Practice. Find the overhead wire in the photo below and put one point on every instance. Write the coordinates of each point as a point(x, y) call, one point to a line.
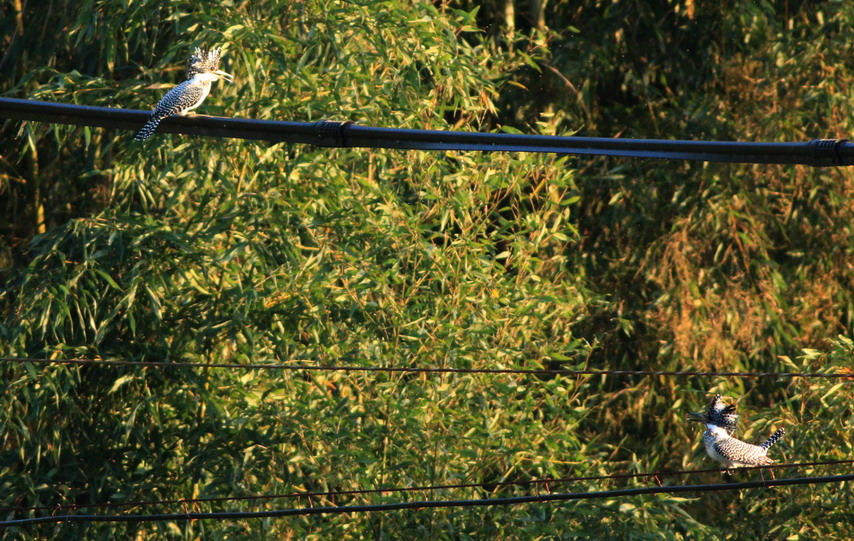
point(346, 134)
point(427, 488)
point(333, 494)
point(428, 504)
point(431, 370)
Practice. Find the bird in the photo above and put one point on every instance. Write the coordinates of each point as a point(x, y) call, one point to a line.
point(721, 444)
point(202, 70)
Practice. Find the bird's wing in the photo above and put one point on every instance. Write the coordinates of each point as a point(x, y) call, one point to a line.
point(179, 98)
point(739, 451)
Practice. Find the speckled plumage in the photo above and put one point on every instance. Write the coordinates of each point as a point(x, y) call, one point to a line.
point(721, 423)
point(202, 70)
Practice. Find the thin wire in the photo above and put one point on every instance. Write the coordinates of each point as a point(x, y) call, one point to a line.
point(433, 370)
point(433, 504)
point(332, 495)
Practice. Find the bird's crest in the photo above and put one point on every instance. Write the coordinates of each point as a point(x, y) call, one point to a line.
point(723, 415)
point(203, 60)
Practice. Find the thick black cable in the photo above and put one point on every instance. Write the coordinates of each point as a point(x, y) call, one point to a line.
point(427, 488)
point(427, 504)
point(431, 370)
point(817, 153)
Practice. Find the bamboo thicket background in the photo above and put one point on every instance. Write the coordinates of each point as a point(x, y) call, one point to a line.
point(205, 250)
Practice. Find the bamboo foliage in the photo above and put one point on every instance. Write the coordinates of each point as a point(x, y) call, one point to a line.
point(205, 250)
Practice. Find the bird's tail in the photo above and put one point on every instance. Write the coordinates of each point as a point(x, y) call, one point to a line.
point(146, 131)
point(775, 437)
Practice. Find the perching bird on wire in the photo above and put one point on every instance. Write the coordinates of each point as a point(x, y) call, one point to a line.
point(202, 70)
point(721, 444)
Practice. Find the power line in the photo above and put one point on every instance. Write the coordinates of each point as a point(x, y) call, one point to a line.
point(427, 504)
point(431, 370)
point(817, 153)
point(428, 488)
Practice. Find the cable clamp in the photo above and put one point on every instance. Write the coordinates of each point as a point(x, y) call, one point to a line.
point(826, 151)
point(331, 133)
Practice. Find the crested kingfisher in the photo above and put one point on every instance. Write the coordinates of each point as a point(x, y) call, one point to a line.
point(721, 444)
point(202, 70)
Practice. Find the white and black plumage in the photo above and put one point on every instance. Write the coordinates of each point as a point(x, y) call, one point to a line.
point(202, 70)
point(722, 415)
point(721, 422)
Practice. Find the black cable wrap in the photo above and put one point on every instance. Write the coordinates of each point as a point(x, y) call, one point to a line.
point(331, 133)
point(326, 133)
point(826, 152)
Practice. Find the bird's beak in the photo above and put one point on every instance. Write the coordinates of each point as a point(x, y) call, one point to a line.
point(224, 75)
point(698, 416)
